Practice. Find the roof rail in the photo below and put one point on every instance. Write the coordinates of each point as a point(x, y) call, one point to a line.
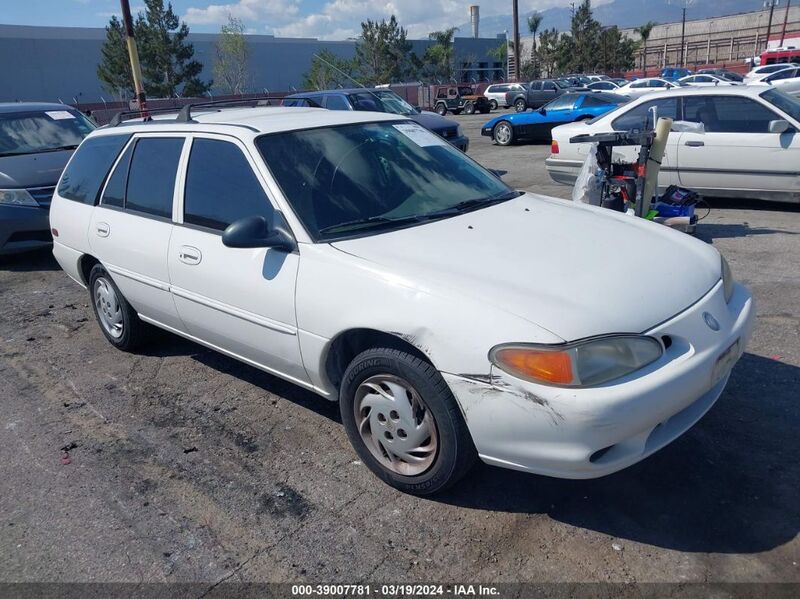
point(185, 111)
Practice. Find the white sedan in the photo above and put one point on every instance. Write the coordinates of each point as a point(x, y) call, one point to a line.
point(787, 80)
point(639, 87)
point(759, 73)
point(362, 257)
point(706, 81)
point(749, 148)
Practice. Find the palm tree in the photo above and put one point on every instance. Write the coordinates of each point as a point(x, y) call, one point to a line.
point(440, 53)
point(644, 32)
point(534, 22)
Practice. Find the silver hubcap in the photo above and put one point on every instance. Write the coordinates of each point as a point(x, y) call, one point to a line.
point(503, 134)
point(396, 425)
point(108, 309)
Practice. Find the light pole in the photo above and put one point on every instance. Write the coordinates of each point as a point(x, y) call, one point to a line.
point(771, 5)
point(516, 40)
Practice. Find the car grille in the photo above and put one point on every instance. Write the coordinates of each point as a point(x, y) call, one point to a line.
point(42, 195)
point(449, 133)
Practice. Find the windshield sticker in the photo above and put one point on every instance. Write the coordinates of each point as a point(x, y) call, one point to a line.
point(420, 135)
point(59, 115)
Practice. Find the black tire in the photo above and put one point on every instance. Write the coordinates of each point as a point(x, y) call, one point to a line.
point(503, 133)
point(134, 332)
point(441, 109)
point(520, 105)
point(455, 452)
point(493, 104)
point(469, 108)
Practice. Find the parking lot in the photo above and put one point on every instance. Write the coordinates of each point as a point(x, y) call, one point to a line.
point(185, 465)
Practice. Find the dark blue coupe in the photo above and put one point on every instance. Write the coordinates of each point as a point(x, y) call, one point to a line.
point(536, 126)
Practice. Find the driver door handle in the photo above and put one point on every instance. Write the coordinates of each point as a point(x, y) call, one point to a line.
point(695, 144)
point(189, 255)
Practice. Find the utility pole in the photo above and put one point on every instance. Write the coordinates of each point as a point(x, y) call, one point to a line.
point(683, 34)
point(771, 5)
point(133, 54)
point(517, 53)
point(785, 21)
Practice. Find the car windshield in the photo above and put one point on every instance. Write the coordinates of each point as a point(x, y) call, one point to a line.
point(39, 131)
point(563, 84)
point(365, 178)
point(788, 104)
point(381, 101)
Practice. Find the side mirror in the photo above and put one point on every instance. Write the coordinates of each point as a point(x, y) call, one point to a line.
point(255, 232)
point(779, 126)
point(543, 110)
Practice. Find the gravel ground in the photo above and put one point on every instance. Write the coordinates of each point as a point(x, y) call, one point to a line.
point(189, 466)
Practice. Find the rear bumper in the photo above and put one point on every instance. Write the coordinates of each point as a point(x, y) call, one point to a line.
point(563, 171)
point(23, 228)
point(592, 432)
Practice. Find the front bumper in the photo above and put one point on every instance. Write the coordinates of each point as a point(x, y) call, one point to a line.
point(587, 433)
point(23, 228)
point(461, 142)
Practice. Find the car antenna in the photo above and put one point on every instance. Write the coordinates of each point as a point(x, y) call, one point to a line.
point(340, 71)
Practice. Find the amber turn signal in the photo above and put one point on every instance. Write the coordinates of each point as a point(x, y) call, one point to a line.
point(546, 366)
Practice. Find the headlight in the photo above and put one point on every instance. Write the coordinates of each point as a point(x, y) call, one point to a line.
point(581, 364)
point(16, 197)
point(459, 132)
point(727, 279)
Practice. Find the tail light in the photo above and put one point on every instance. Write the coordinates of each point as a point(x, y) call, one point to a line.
point(554, 147)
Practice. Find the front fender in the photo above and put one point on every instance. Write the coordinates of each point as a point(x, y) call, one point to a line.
point(337, 292)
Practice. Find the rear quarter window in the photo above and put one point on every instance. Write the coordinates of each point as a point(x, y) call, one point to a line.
point(85, 173)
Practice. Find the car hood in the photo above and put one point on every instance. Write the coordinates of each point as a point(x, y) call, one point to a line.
point(32, 170)
point(574, 270)
point(433, 121)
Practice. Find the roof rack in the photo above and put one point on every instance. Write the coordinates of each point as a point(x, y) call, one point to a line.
point(185, 112)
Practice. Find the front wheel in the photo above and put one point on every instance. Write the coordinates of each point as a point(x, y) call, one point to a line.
point(520, 105)
point(441, 109)
point(503, 133)
point(493, 104)
point(404, 422)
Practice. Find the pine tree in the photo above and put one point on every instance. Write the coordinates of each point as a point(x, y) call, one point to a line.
point(114, 70)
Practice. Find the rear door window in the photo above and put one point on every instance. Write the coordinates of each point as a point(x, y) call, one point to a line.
point(114, 194)
point(221, 186)
point(85, 173)
point(640, 117)
point(336, 103)
point(151, 178)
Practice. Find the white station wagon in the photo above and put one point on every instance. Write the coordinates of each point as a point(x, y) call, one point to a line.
point(362, 257)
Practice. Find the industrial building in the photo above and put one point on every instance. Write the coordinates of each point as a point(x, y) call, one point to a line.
point(60, 63)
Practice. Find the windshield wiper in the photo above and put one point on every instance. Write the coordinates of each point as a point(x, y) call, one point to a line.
point(42, 151)
point(372, 220)
point(468, 205)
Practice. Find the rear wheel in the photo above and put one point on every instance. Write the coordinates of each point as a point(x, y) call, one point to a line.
point(493, 104)
point(441, 109)
point(469, 108)
point(117, 319)
point(503, 133)
point(520, 105)
point(404, 422)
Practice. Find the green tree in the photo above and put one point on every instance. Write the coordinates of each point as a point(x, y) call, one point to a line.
point(383, 54)
point(328, 71)
point(534, 23)
point(439, 58)
point(616, 53)
point(168, 63)
point(644, 32)
point(585, 39)
point(232, 55)
point(548, 51)
point(114, 70)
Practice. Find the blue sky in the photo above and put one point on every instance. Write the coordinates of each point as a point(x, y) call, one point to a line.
point(326, 19)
